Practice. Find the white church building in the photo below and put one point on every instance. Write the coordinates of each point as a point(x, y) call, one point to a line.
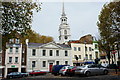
point(42, 56)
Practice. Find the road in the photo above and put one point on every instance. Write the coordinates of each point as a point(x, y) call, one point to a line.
point(52, 77)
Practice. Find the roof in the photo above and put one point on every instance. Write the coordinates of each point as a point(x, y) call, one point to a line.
point(42, 44)
point(13, 45)
point(35, 44)
point(64, 45)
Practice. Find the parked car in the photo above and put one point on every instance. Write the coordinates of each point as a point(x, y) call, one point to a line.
point(63, 70)
point(112, 66)
point(37, 72)
point(71, 70)
point(16, 75)
point(56, 68)
point(25, 74)
point(91, 70)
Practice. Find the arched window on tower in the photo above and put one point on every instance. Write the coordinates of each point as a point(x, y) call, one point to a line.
point(65, 31)
point(59, 38)
point(66, 37)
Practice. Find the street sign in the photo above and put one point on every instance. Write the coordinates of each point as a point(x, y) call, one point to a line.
point(13, 66)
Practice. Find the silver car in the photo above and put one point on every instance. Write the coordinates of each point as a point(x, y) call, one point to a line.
point(63, 70)
point(91, 69)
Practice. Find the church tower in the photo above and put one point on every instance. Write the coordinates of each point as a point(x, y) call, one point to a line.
point(64, 29)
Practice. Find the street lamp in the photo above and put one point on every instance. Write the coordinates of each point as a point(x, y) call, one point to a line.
point(77, 60)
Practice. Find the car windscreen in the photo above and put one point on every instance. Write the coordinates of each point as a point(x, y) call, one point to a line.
point(70, 67)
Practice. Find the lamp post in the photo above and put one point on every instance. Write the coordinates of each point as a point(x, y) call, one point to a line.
point(77, 60)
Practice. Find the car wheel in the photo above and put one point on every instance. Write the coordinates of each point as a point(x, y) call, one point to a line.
point(62, 75)
point(105, 72)
point(23, 76)
point(10, 77)
point(87, 73)
point(71, 75)
point(34, 75)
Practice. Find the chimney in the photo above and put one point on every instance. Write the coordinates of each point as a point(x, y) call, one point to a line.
point(27, 40)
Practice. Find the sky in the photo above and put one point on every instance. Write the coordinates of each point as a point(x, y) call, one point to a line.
point(82, 18)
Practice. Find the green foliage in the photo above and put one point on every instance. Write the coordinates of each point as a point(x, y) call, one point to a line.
point(36, 38)
point(17, 16)
point(109, 27)
point(109, 24)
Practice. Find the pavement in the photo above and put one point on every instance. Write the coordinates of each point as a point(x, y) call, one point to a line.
point(113, 72)
point(111, 76)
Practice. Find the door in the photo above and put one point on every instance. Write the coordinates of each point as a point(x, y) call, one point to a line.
point(12, 70)
point(93, 69)
point(50, 67)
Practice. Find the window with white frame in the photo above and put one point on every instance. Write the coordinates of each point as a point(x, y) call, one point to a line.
point(17, 49)
point(90, 56)
point(10, 59)
point(96, 54)
point(75, 56)
point(86, 56)
point(57, 62)
point(85, 48)
point(79, 49)
point(90, 49)
point(16, 59)
point(65, 31)
point(17, 41)
point(75, 49)
point(33, 52)
point(66, 62)
point(44, 63)
point(33, 64)
point(96, 46)
point(66, 53)
point(44, 52)
point(11, 40)
point(51, 54)
point(11, 50)
point(79, 56)
point(57, 52)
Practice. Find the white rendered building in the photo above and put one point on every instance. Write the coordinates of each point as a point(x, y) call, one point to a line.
point(84, 52)
point(43, 56)
point(13, 56)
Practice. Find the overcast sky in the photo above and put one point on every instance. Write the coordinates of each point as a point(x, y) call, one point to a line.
point(82, 18)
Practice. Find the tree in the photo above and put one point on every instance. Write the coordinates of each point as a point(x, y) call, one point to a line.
point(17, 16)
point(109, 26)
point(35, 37)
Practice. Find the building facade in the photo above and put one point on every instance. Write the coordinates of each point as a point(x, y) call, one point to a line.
point(44, 56)
point(13, 57)
point(64, 28)
point(85, 53)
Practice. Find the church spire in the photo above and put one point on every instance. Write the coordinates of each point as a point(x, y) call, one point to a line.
point(64, 29)
point(63, 11)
